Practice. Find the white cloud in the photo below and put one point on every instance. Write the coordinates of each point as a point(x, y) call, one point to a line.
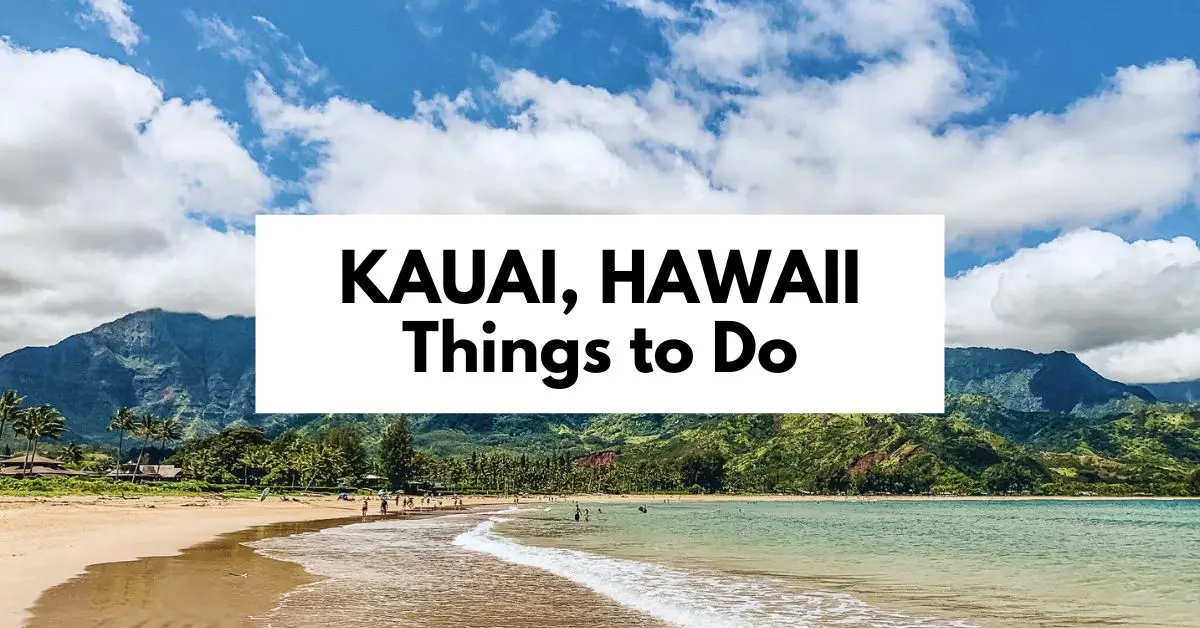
point(98, 176)
point(222, 37)
point(418, 10)
point(115, 16)
point(538, 33)
point(1130, 309)
point(256, 52)
point(1174, 359)
point(653, 9)
point(882, 140)
point(725, 126)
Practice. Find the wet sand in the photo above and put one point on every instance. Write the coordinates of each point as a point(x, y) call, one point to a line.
point(47, 541)
point(412, 573)
point(224, 583)
point(217, 583)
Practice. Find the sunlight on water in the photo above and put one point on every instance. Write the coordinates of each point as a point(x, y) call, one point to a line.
point(1048, 563)
point(870, 563)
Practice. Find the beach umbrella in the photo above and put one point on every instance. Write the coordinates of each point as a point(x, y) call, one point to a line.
point(263, 495)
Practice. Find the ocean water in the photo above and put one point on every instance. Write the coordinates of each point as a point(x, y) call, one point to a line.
point(833, 563)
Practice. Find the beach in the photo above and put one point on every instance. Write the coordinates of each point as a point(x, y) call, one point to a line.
point(47, 541)
point(74, 560)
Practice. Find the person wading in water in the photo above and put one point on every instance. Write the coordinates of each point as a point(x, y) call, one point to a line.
point(577, 513)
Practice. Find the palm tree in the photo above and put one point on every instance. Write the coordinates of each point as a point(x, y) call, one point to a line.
point(70, 453)
point(145, 428)
point(123, 422)
point(35, 424)
point(10, 407)
point(167, 431)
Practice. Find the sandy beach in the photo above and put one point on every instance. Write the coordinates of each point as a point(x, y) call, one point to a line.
point(47, 541)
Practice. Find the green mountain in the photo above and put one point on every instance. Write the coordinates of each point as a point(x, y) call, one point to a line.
point(1013, 420)
point(1177, 392)
point(201, 370)
point(1035, 382)
point(177, 365)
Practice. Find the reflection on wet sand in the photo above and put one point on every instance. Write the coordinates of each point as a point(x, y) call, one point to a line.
point(398, 576)
point(218, 583)
point(412, 574)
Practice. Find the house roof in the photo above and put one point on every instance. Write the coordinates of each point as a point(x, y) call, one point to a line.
point(169, 471)
point(20, 460)
point(165, 471)
point(39, 470)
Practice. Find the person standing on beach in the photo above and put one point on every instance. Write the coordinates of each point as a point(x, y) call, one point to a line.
point(364, 508)
point(383, 506)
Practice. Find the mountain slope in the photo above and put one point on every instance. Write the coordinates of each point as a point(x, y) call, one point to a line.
point(1178, 392)
point(175, 365)
point(1036, 382)
point(201, 370)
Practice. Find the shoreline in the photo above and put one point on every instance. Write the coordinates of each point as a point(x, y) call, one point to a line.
point(50, 541)
point(604, 497)
point(219, 582)
point(56, 540)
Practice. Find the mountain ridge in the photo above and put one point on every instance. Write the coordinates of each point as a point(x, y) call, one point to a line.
point(201, 370)
point(1177, 392)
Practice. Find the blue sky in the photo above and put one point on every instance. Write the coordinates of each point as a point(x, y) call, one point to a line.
point(324, 127)
point(382, 53)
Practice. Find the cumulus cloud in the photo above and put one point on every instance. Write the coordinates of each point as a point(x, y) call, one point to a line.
point(100, 178)
point(1174, 359)
point(1130, 309)
point(882, 140)
point(724, 126)
point(115, 16)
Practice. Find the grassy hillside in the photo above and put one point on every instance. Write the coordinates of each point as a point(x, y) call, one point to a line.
point(1014, 420)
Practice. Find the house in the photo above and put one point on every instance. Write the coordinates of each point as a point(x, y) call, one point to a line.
point(148, 472)
point(35, 466)
point(419, 487)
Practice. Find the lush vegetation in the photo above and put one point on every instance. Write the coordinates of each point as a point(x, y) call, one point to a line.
point(200, 371)
point(977, 447)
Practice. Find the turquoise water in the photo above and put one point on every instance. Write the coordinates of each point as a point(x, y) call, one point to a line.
point(726, 564)
point(986, 563)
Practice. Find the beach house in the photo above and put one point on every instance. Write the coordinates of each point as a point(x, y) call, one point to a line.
point(147, 472)
point(34, 466)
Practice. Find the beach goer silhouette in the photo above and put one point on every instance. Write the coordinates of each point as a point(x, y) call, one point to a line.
point(586, 515)
point(364, 508)
point(642, 508)
point(383, 507)
point(577, 512)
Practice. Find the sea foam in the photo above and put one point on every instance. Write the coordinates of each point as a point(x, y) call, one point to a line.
point(686, 598)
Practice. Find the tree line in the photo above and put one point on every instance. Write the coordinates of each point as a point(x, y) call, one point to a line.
point(38, 424)
point(339, 456)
